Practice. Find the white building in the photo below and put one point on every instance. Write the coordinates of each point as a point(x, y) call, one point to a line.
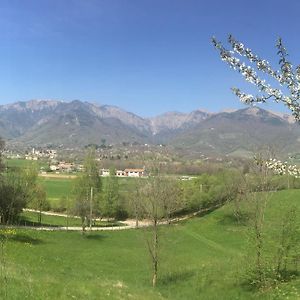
point(134, 172)
point(105, 172)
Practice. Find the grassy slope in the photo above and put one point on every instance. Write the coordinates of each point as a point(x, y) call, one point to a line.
point(200, 259)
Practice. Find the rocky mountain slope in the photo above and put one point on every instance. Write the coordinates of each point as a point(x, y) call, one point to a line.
point(241, 133)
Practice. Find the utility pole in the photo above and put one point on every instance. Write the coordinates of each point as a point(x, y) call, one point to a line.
point(91, 207)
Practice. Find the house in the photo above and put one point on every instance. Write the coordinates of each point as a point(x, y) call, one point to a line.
point(65, 167)
point(54, 168)
point(125, 173)
point(104, 172)
point(134, 172)
point(120, 173)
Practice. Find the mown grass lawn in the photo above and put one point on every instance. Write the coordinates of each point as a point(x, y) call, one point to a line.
point(203, 258)
point(57, 188)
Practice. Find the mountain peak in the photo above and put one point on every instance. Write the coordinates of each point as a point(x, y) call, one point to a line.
point(37, 104)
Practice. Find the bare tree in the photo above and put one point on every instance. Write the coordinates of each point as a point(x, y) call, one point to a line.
point(158, 201)
point(135, 201)
point(110, 196)
point(39, 201)
point(260, 199)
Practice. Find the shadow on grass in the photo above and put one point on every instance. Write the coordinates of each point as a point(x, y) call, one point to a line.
point(24, 222)
point(94, 236)
point(29, 223)
point(231, 219)
point(175, 277)
point(22, 238)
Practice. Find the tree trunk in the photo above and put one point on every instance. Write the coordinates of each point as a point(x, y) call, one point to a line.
point(83, 225)
point(155, 254)
point(40, 216)
point(136, 217)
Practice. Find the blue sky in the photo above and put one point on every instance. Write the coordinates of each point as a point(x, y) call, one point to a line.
point(146, 56)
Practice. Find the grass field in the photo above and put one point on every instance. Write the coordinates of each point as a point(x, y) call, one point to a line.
point(56, 188)
point(203, 258)
point(23, 163)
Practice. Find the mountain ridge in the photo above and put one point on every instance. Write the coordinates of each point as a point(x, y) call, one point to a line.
point(78, 123)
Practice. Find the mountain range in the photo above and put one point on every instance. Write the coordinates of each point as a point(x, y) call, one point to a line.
point(77, 123)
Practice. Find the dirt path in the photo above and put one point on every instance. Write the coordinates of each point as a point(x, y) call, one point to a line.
point(58, 176)
point(129, 223)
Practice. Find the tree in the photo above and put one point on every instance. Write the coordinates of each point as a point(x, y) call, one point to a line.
point(259, 199)
point(171, 197)
point(87, 189)
point(135, 201)
point(158, 202)
point(39, 201)
point(111, 195)
point(16, 191)
point(18, 188)
point(287, 76)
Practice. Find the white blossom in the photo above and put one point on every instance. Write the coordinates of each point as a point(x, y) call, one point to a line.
point(282, 168)
point(286, 75)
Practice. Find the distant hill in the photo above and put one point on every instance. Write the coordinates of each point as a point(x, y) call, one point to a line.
point(241, 132)
point(77, 123)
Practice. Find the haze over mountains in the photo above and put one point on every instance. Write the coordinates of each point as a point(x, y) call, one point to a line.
point(76, 124)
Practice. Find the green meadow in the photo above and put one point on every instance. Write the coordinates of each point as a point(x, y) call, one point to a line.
point(202, 258)
point(24, 163)
point(57, 188)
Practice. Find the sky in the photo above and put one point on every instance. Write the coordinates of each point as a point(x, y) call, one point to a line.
point(145, 56)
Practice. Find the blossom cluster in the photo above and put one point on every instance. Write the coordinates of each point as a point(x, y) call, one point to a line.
point(282, 168)
point(285, 76)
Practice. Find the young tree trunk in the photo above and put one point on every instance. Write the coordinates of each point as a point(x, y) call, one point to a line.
point(40, 216)
point(136, 217)
point(259, 240)
point(83, 225)
point(155, 253)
